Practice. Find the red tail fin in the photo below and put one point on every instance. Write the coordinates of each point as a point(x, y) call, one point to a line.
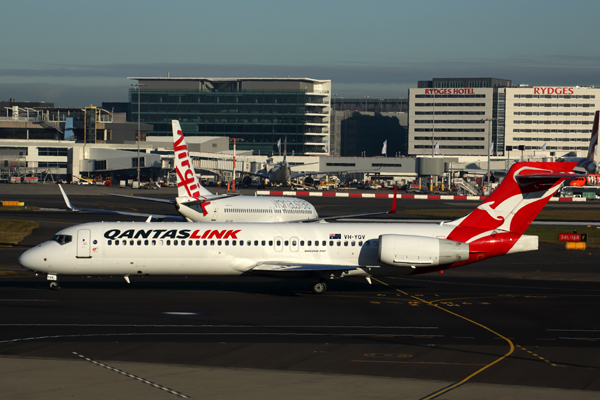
point(516, 202)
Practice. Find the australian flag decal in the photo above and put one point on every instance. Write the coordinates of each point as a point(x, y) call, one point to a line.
point(335, 236)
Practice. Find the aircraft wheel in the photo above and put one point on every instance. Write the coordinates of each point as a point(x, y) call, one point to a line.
point(319, 287)
point(54, 286)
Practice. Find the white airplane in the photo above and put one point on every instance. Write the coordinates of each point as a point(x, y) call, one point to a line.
point(317, 250)
point(196, 204)
point(281, 172)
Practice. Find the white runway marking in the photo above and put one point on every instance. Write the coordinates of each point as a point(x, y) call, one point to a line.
point(156, 385)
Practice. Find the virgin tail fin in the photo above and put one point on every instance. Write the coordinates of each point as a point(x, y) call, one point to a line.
point(187, 181)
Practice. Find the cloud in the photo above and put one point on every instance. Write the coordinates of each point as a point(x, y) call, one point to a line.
point(70, 84)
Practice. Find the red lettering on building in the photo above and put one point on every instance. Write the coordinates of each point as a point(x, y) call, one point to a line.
point(553, 90)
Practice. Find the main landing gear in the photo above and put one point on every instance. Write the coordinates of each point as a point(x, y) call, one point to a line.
point(53, 282)
point(319, 287)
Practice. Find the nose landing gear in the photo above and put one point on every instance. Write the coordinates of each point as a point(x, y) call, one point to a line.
point(53, 282)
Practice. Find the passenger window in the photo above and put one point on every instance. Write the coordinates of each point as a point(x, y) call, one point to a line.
point(227, 243)
point(174, 242)
point(270, 243)
point(331, 242)
point(241, 242)
point(294, 243)
point(131, 242)
point(249, 243)
point(263, 242)
point(279, 243)
point(190, 242)
point(116, 242)
point(168, 242)
point(233, 242)
point(109, 242)
point(197, 243)
point(360, 243)
point(286, 243)
point(345, 243)
point(302, 243)
point(212, 242)
point(219, 242)
point(205, 243)
point(124, 242)
point(339, 243)
point(323, 243)
point(161, 242)
point(256, 242)
point(154, 243)
point(145, 242)
point(309, 243)
point(353, 243)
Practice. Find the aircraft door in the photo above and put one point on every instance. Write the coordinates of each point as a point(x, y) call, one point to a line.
point(278, 243)
point(294, 243)
point(214, 211)
point(84, 247)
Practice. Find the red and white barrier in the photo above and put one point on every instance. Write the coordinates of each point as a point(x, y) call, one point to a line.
point(389, 195)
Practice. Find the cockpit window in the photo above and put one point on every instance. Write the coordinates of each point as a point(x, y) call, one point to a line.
point(62, 239)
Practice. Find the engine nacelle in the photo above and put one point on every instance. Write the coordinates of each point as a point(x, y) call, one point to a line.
point(420, 251)
point(247, 181)
point(308, 180)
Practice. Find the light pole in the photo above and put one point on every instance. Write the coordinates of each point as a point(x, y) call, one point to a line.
point(489, 120)
point(433, 126)
point(234, 140)
point(138, 85)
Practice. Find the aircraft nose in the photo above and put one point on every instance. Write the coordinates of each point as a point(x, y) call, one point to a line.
point(32, 259)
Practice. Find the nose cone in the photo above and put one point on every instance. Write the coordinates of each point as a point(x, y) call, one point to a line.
point(32, 259)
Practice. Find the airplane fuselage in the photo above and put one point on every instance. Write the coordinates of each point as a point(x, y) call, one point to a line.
point(141, 248)
point(246, 209)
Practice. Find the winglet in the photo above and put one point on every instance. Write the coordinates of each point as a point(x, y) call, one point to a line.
point(393, 210)
point(67, 202)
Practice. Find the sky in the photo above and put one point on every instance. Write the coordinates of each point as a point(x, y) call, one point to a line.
point(79, 53)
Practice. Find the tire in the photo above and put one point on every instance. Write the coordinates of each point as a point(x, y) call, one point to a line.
point(319, 287)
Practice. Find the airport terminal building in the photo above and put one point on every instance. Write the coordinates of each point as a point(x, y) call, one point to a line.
point(259, 111)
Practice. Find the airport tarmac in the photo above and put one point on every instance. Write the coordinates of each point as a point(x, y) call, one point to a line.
point(519, 326)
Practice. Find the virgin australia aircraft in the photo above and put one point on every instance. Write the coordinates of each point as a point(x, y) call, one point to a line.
point(196, 204)
point(317, 250)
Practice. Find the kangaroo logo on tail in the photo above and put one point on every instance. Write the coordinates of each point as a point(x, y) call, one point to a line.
point(515, 203)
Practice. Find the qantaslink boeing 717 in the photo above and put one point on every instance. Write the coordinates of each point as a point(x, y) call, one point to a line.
point(320, 251)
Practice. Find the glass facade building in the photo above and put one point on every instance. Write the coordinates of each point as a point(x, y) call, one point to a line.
point(260, 111)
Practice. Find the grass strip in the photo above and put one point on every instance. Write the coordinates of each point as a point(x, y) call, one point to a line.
point(13, 231)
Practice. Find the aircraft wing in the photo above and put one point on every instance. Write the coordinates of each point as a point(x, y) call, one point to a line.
point(345, 171)
point(271, 266)
point(323, 219)
point(156, 216)
point(139, 198)
point(261, 174)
